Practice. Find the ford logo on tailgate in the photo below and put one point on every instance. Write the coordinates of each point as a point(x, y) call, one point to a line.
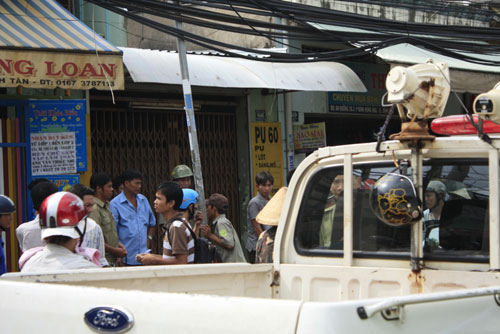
point(109, 319)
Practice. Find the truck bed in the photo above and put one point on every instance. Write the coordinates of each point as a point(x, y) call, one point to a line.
point(239, 279)
point(51, 308)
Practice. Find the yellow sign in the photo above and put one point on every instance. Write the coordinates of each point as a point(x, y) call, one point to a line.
point(37, 69)
point(267, 151)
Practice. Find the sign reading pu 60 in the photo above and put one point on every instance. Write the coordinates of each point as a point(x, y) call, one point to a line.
point(267, 151)
point(269, 134)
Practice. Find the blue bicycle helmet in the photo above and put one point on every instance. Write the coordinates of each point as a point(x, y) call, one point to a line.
point(189, 196)
point(6, 205)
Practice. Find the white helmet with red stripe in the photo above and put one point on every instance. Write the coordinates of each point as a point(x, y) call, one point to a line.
point(62, 213)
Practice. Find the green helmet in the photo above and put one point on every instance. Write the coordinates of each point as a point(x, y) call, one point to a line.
point(181, 171)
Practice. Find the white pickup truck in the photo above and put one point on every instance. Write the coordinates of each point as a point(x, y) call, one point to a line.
point(368, 279)
point(360, 276)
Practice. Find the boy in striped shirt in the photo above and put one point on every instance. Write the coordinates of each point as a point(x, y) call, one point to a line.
point(178, 244)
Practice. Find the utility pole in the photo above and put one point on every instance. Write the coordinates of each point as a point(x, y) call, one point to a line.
point(191, 124)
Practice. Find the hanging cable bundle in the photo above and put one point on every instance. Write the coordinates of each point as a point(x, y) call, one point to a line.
point(314, 24)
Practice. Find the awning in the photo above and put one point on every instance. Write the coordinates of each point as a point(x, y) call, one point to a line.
point(42, 45)
point(162, 67)
point(464, 76)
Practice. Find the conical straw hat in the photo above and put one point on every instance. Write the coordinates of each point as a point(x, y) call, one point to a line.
point(270, 214)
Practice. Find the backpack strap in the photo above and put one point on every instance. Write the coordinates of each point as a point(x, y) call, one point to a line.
point(181, 218)
point(189, 228)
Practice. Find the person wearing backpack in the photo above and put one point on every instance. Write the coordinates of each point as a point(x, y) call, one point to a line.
point(221, 232)
point(179, 242)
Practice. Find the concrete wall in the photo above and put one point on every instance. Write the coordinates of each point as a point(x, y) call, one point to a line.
point(310, 102)
point(268, 103)
point(140, 36)
point(108, 24)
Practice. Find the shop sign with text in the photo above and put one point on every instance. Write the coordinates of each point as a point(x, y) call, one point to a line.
point(37, 69)
point(53, 153)
point(267, 151)
point(373, 77)
point(58, 137)
point(309, 137)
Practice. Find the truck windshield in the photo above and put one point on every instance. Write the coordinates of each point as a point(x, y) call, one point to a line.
point(455, 218)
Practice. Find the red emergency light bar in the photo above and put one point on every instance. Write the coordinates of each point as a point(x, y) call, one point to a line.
point(460, 125)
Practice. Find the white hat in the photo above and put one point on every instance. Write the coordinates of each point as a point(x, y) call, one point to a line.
point(270, 214)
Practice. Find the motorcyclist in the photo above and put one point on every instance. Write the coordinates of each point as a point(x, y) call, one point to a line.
point(63, 220)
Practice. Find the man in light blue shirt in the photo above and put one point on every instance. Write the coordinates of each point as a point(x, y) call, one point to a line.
point(133, 216)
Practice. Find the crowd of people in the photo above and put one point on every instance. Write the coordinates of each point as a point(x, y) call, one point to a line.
point(110, 223)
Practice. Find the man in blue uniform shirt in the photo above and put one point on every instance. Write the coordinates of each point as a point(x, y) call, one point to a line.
point(133, 216)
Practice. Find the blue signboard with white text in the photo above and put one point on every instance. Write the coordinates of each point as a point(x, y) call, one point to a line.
point(57, 137)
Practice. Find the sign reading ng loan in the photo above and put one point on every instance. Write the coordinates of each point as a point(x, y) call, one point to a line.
point(267, 151)
point(37, 69)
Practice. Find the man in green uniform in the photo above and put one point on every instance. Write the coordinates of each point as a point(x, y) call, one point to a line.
point(102, 184)
point(221, 232)
point(182, 174)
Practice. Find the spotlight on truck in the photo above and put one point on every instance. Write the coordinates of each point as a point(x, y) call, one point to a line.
point(419, 92)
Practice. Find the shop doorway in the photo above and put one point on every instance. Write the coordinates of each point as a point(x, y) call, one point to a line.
point(155, 141)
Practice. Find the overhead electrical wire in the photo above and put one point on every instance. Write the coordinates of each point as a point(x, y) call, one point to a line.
point(140, 5)
point(183, 12)
point(315, 24)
